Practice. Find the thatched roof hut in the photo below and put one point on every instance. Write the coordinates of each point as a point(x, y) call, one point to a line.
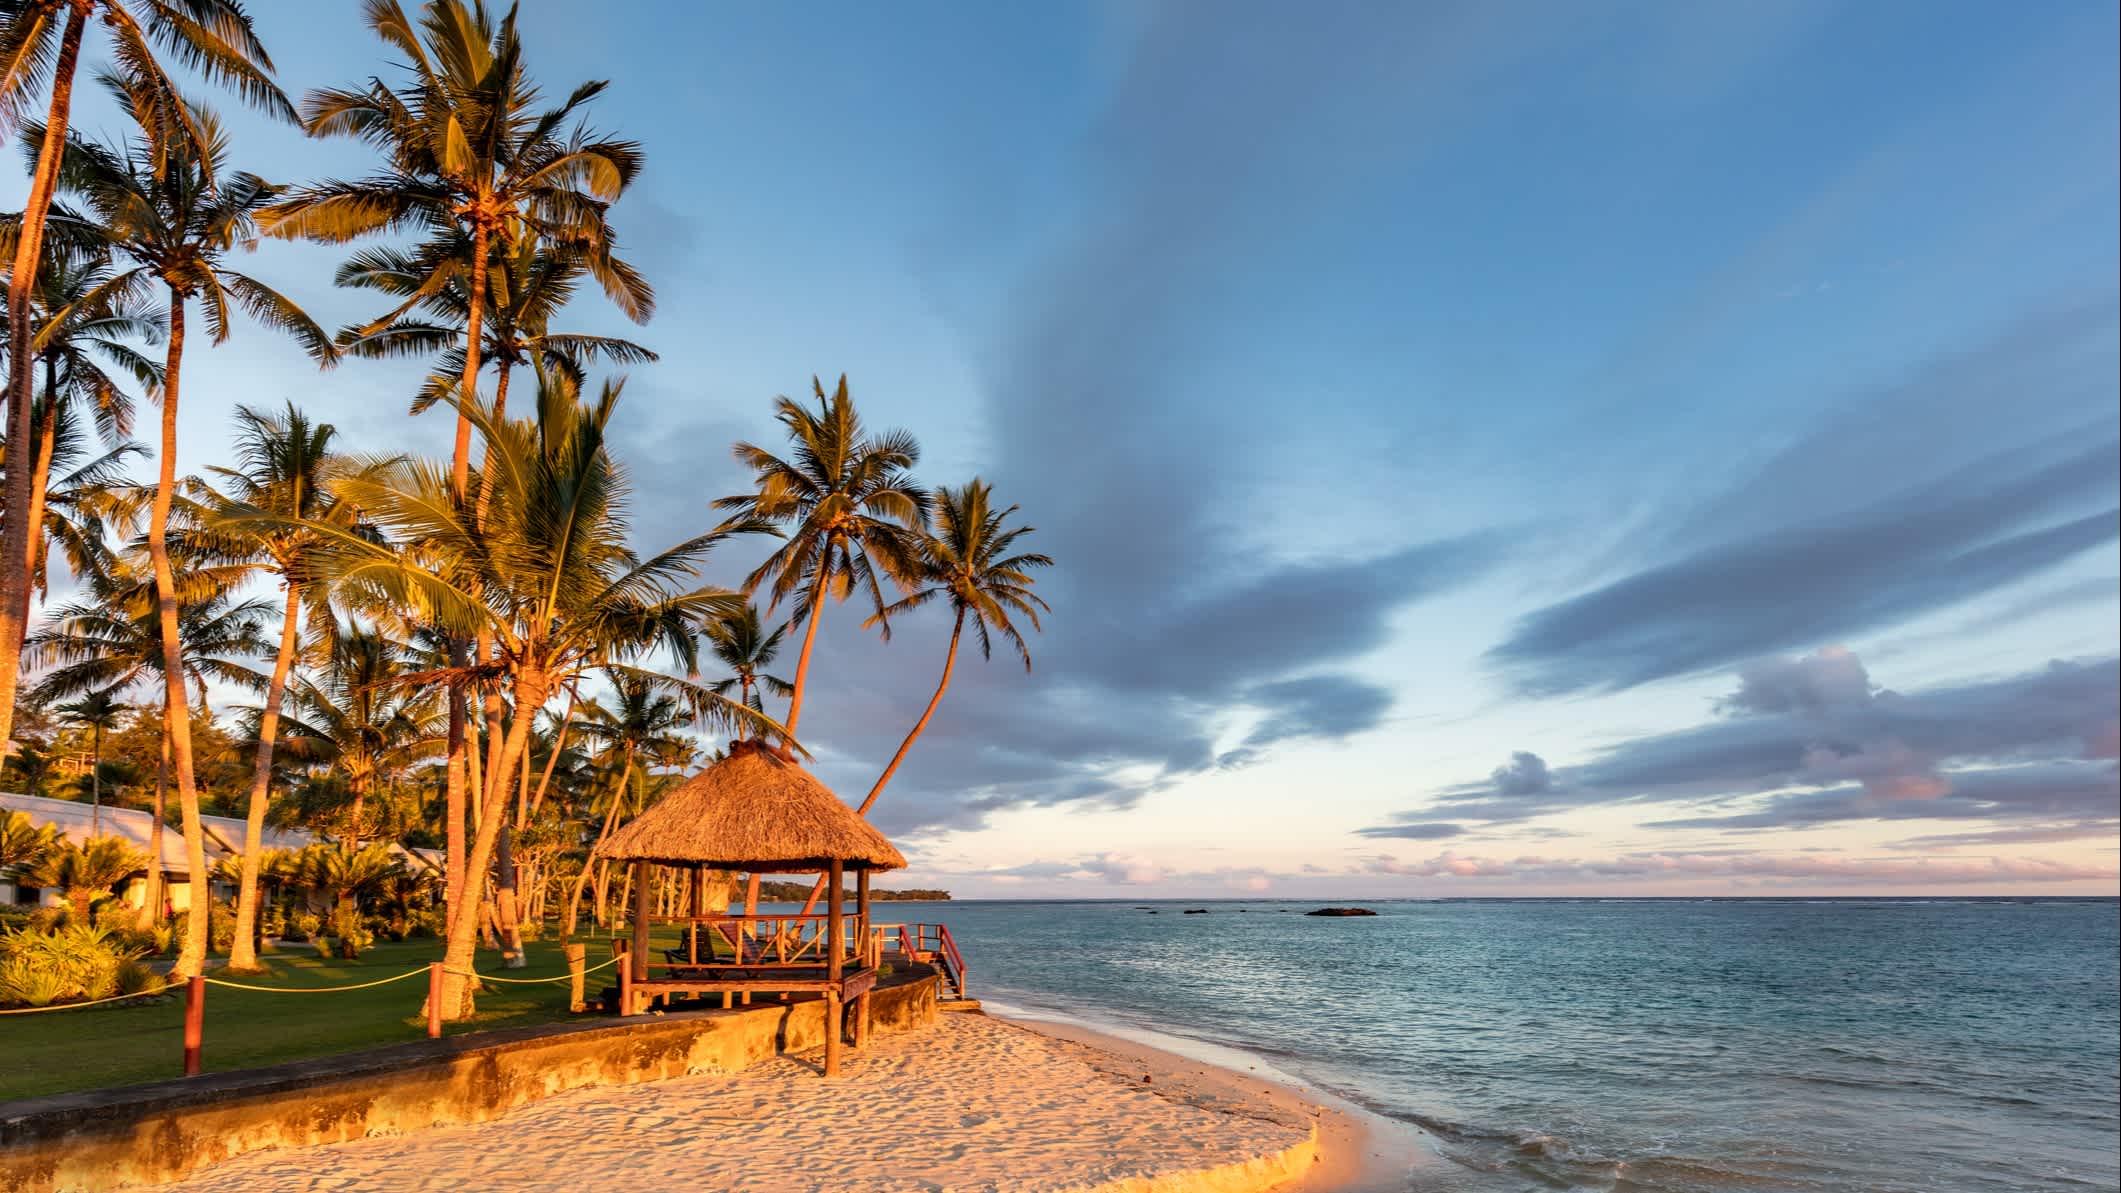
point(753, 811)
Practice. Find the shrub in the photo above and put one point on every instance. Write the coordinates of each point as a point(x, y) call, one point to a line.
point(75, 963)
point(304, 925)
point(350, 937)
point(220, 926)
point(134, 976)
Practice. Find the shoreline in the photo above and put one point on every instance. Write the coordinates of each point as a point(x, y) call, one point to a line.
point(1359, 1150)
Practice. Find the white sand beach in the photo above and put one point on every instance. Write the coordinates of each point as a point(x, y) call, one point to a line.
point(969, 1104)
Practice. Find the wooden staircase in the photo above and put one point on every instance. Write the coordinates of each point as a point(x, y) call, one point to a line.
point(930, 944)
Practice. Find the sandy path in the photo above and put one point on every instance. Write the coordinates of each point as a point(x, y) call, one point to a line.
point(967, 1105)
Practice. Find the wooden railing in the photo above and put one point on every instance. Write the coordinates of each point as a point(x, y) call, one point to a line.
point(924, 942)
point(766, 941)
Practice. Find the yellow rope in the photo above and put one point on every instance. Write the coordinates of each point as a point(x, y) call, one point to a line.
point(481, 977)
point(317, 989)
point(75, 1006)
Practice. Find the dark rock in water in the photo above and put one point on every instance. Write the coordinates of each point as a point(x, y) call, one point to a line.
point(1153, 912)
point(1341, 911)
point(1196, 911)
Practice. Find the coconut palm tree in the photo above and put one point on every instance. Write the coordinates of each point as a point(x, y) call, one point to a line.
point(363, 717)
point(970, 559)
point(40, 45)
point(83, 501)
point(88, 871)
point(467, 155)
point(97, 711)
point(286, 465)
point(112, 639)
point(527, 285)
point(643, 717)
point(79, 334)
point(545, 572)
point(168, 202)
point(846, 506)
point(740, 643)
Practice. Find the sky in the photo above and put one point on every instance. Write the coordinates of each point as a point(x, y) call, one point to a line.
point(1487, 449)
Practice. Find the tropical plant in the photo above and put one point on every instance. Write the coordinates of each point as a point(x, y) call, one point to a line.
point(72, 962)
point(643, 717)
point(739, 642)
point(365, 715)
point(40, 44)
point(23, 842)
point(286, 464)
point(970, 559)
point(545, 572)
point(97, 712)
point(167, 201)
point(847, 508)
point(88, 871)
point(80, 331)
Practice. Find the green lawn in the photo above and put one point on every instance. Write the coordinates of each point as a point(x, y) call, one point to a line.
point(128, 1043)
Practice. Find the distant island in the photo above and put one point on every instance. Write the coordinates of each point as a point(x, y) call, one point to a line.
point(798, 892)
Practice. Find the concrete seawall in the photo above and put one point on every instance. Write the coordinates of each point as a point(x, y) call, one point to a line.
point(145, 1134)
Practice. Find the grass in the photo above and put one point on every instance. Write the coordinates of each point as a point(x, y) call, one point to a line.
point(125, 1044)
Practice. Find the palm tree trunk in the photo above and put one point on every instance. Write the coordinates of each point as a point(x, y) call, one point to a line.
point(95, 784)
point(802, 663)
point(191, 960)
point(15, 532)
point(559, 742)
point(355, 814)
point(457, 879)
point(949, 662)
point(611, 816)
point(243, 955)
point(531, 689)
point(151, 908)
point(40, 483)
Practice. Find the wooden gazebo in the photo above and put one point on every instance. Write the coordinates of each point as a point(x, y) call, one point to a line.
point(757, 812)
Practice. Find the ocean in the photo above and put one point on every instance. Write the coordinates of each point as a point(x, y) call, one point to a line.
point(1674, 1045)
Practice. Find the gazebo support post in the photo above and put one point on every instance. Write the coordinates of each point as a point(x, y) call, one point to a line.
point(862, 959)
point(637, 958)
point(699, 909)
point(834, 921)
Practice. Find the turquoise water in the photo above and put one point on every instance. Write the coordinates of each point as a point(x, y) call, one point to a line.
point(1882, 1045)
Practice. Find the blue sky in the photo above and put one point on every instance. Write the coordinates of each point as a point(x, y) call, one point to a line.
point(1490, 448)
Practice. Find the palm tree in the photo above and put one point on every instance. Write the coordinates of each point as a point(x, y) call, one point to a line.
point(286, 464)
point(87, 872)
point(740, 643)
point(169, 203)
point(968, 560)
point(112, 640)
point(644, 717)
point(40, 42)
point(363, 716)
point(82, 500)
point(467, 156)
point(526, 287)
point(846, 502)
point(79, 336)
point(97, 711)
point(546, 572)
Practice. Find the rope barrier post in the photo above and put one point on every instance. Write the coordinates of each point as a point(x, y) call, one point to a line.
point(194, 1022)
point(626, 987)
point(434, 1001)
point(577, 957)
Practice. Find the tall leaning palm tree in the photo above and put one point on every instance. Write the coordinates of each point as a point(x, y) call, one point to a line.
point(533, 554)
point(970, 560)
point(286, 464)
point(847, 506)
point(40, 46)
point(172, 207)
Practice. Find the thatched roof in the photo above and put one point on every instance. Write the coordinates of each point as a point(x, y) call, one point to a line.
point(753, 811)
